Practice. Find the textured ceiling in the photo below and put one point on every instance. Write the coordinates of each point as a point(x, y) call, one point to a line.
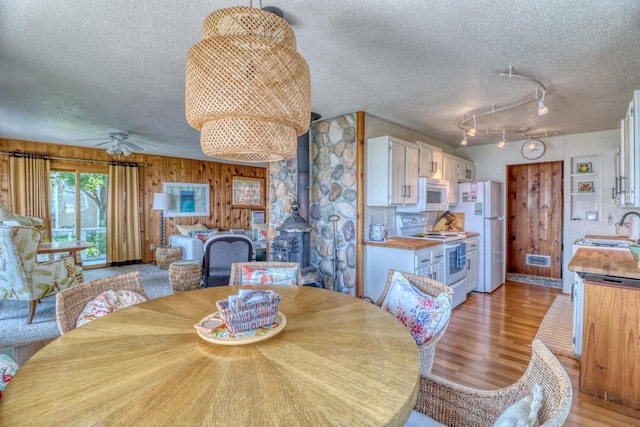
point(72, 69)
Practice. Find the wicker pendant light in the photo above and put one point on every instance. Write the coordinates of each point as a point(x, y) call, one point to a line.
point(247, 89)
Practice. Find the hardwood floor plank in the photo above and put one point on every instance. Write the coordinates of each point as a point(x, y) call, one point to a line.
point(487, 345)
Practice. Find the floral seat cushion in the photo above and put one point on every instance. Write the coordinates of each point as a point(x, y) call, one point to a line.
point(422, 314)
point(269, 275)
point(108, 302)
point(8, 369)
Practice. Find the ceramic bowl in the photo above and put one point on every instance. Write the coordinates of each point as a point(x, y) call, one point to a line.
point(635, 250)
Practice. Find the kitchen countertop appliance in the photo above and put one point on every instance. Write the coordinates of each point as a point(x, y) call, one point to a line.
point(454, 251)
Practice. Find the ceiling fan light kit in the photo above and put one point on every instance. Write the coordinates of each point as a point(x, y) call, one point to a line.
point(247, 89)
point(538, 95)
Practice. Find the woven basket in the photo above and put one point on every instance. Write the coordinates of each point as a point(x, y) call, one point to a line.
point(250, 315)
point(165, 256)
point(185, 275)
point(247, 89)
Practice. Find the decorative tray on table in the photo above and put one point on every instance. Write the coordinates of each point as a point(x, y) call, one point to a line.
point(219, 333)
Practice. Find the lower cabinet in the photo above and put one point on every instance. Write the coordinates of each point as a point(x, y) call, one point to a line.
point(609, 367)
point(473, 268)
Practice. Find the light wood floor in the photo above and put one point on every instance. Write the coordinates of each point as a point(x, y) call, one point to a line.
point(487, 346)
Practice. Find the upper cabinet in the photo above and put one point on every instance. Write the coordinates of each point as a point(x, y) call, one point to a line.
point(627, 186)
point(457, 170)
point(391, 172)
point(431, 161)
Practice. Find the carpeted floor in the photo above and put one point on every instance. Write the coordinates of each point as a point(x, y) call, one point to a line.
point(556, 329)
point(14, 330)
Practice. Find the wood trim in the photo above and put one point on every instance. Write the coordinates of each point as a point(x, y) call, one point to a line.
point(360, 205)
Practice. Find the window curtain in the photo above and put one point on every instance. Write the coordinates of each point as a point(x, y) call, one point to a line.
point(123, 220)
point(29, 180)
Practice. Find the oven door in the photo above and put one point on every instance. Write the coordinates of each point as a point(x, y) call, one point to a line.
point(455, 264)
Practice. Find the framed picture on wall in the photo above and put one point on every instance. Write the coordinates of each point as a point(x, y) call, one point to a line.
point(585, 187)
point(584, 168)
point(187, 199)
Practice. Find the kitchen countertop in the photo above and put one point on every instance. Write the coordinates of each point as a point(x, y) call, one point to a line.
point(605, 262)
point(411, 244)
point(405, 243)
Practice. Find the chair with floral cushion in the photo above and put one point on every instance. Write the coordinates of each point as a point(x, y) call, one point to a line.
point(22, 277)
point(71, 302)
point(541, 396)
point(423, 305)
point(281, 272)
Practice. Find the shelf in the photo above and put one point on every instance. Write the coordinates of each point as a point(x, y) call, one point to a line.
point(586, 203)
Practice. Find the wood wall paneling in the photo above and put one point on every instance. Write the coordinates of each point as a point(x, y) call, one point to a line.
point(159, 169)
point(534, 211)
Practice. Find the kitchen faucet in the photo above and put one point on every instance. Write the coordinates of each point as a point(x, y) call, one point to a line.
point(625, 217)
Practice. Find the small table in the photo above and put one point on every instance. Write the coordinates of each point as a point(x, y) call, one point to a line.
point(338, 361)
point(185, 275)
point(165, 255)
point(72, 247)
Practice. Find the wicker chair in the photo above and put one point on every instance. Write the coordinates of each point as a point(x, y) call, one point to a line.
point(432, 288)
point(236, 269)
point(456, 405)
point(71, 301)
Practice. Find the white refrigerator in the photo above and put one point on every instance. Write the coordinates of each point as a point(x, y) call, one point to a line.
point(481, 203)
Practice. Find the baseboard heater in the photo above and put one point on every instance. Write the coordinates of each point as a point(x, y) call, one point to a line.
point(538, 260)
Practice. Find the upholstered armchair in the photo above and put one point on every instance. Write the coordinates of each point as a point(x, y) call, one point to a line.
point(22, 277)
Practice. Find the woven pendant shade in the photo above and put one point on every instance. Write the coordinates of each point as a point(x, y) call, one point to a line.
point(247, 89)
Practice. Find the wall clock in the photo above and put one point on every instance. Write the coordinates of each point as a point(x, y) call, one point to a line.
point(533, 149)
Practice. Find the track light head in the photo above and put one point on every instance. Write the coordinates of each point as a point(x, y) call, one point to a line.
point(542, 109)
point(464, 138)
point(502, 143)
point(473, 130)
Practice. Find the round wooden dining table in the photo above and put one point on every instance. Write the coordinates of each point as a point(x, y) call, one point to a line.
point(338, 361)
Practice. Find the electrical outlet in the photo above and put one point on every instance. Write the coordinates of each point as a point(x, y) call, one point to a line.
point(152, 246)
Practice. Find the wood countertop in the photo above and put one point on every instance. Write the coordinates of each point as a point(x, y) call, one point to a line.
point(618, 263)
point(405, 243)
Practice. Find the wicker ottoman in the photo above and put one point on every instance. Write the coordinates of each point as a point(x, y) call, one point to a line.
point(185, 275)
point(165, 255)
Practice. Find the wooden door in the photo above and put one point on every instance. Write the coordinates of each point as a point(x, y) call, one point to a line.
point(534, 218)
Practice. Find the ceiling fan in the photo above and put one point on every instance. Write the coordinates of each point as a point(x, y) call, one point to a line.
point(120, 143)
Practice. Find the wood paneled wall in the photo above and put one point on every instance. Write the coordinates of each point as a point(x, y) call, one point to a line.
point(159, 169)
point(534, 212)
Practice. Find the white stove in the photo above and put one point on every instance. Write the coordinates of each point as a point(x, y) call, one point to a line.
point(416, 226)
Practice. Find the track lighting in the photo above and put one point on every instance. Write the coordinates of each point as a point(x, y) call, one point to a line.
point(480, 117)
point(464, 138)
point(542, 109)
point(502, 143)
point(472, 131)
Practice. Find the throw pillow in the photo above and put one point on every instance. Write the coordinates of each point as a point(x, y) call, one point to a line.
point(204, 235)
point(269, 275)
point(5, 215)
point(8, 369)
point(422, 314)
point(108, 302)
point(523, 413)
point(25, 221)
point(185, 229)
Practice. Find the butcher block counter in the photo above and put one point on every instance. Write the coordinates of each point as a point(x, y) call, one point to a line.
point(609, 367)
point(405, 243)
point(619, 262)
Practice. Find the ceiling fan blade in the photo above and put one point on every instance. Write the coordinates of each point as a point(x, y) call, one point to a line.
point(102, 143)
point(134, 146)
point(143, 143)
point(91, 139)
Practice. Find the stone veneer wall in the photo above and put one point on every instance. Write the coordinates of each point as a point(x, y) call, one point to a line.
point(332, 181)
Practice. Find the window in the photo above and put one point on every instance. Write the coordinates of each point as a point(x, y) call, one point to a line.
point(248, 192)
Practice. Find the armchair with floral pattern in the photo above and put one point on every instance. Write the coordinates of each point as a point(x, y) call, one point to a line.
point(22, 277)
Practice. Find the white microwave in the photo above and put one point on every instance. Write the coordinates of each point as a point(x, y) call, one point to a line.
point(433, 196)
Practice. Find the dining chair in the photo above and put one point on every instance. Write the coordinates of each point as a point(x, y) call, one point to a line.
point(453, 404)
point(23, 277)
point(237, 273)
point(220, 252)
point(432, 288)
point(71, 302)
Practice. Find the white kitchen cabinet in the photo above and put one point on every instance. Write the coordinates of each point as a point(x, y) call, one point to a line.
point(451, 176)
point(627, 185)
point(473, 268)
point(466, 171)
point(430, 161)
point(391, 172)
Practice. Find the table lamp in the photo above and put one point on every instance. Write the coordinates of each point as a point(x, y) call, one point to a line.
point(161, 202)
